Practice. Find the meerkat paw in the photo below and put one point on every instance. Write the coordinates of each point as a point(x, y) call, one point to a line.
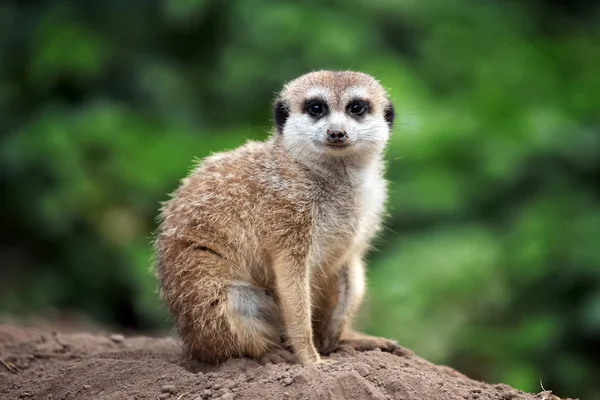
point(361, 342)
point(277, 355)
point(328, 343)
point(327, 347)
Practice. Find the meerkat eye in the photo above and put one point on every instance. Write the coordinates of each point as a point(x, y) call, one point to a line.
point(357, 108)
point(316, 108)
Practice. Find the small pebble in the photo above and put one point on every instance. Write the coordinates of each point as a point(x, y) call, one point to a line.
point(86, 387)
point(226, 396)
point(117, 338)
point(288, 381)
point(163, 396)
point(362, 369)
point(302, 377)
point(48, 348)
point(229, 384)
point(168, 389)
point(219, 393)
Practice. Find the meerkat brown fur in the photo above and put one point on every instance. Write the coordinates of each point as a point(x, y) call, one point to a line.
point(259, 252)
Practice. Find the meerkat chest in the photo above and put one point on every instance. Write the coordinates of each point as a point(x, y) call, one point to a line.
point(334, 229)
point(373, 194)
point(347, 220)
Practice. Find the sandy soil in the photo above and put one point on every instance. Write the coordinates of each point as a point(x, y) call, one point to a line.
point(39, 364)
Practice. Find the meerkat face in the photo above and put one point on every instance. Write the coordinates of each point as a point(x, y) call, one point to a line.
point(329, 115)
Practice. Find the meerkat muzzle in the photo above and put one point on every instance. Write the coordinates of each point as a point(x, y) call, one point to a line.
point(337, 137)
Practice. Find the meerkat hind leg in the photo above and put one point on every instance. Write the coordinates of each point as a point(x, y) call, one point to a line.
point(339, 307)
point(256, 323)
point(336, 332)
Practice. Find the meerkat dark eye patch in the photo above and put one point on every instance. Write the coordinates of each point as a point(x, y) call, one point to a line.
point(316, 108)
point(282, 113)
point(389, 114)
point(358, 107)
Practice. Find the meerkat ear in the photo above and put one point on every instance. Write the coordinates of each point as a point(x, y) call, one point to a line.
point(389, 114)
point(281, 115)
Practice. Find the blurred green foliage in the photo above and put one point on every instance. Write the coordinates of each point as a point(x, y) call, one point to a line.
point(491, 262)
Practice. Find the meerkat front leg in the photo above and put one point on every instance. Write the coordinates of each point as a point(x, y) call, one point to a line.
point(336, 329)
point(293, 287)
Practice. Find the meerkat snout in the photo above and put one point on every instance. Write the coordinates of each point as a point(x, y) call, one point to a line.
point(336, 137)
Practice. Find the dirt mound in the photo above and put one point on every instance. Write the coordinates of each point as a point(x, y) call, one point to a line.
point(37, 364)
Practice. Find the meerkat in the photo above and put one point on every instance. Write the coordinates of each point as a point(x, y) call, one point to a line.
point(259, 252)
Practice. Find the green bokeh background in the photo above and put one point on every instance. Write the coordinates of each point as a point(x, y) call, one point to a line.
point(491, 259)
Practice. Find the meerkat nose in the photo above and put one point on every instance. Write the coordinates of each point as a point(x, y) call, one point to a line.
point(336, 136)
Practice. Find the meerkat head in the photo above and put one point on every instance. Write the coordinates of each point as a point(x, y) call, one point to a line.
point(326, 116)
